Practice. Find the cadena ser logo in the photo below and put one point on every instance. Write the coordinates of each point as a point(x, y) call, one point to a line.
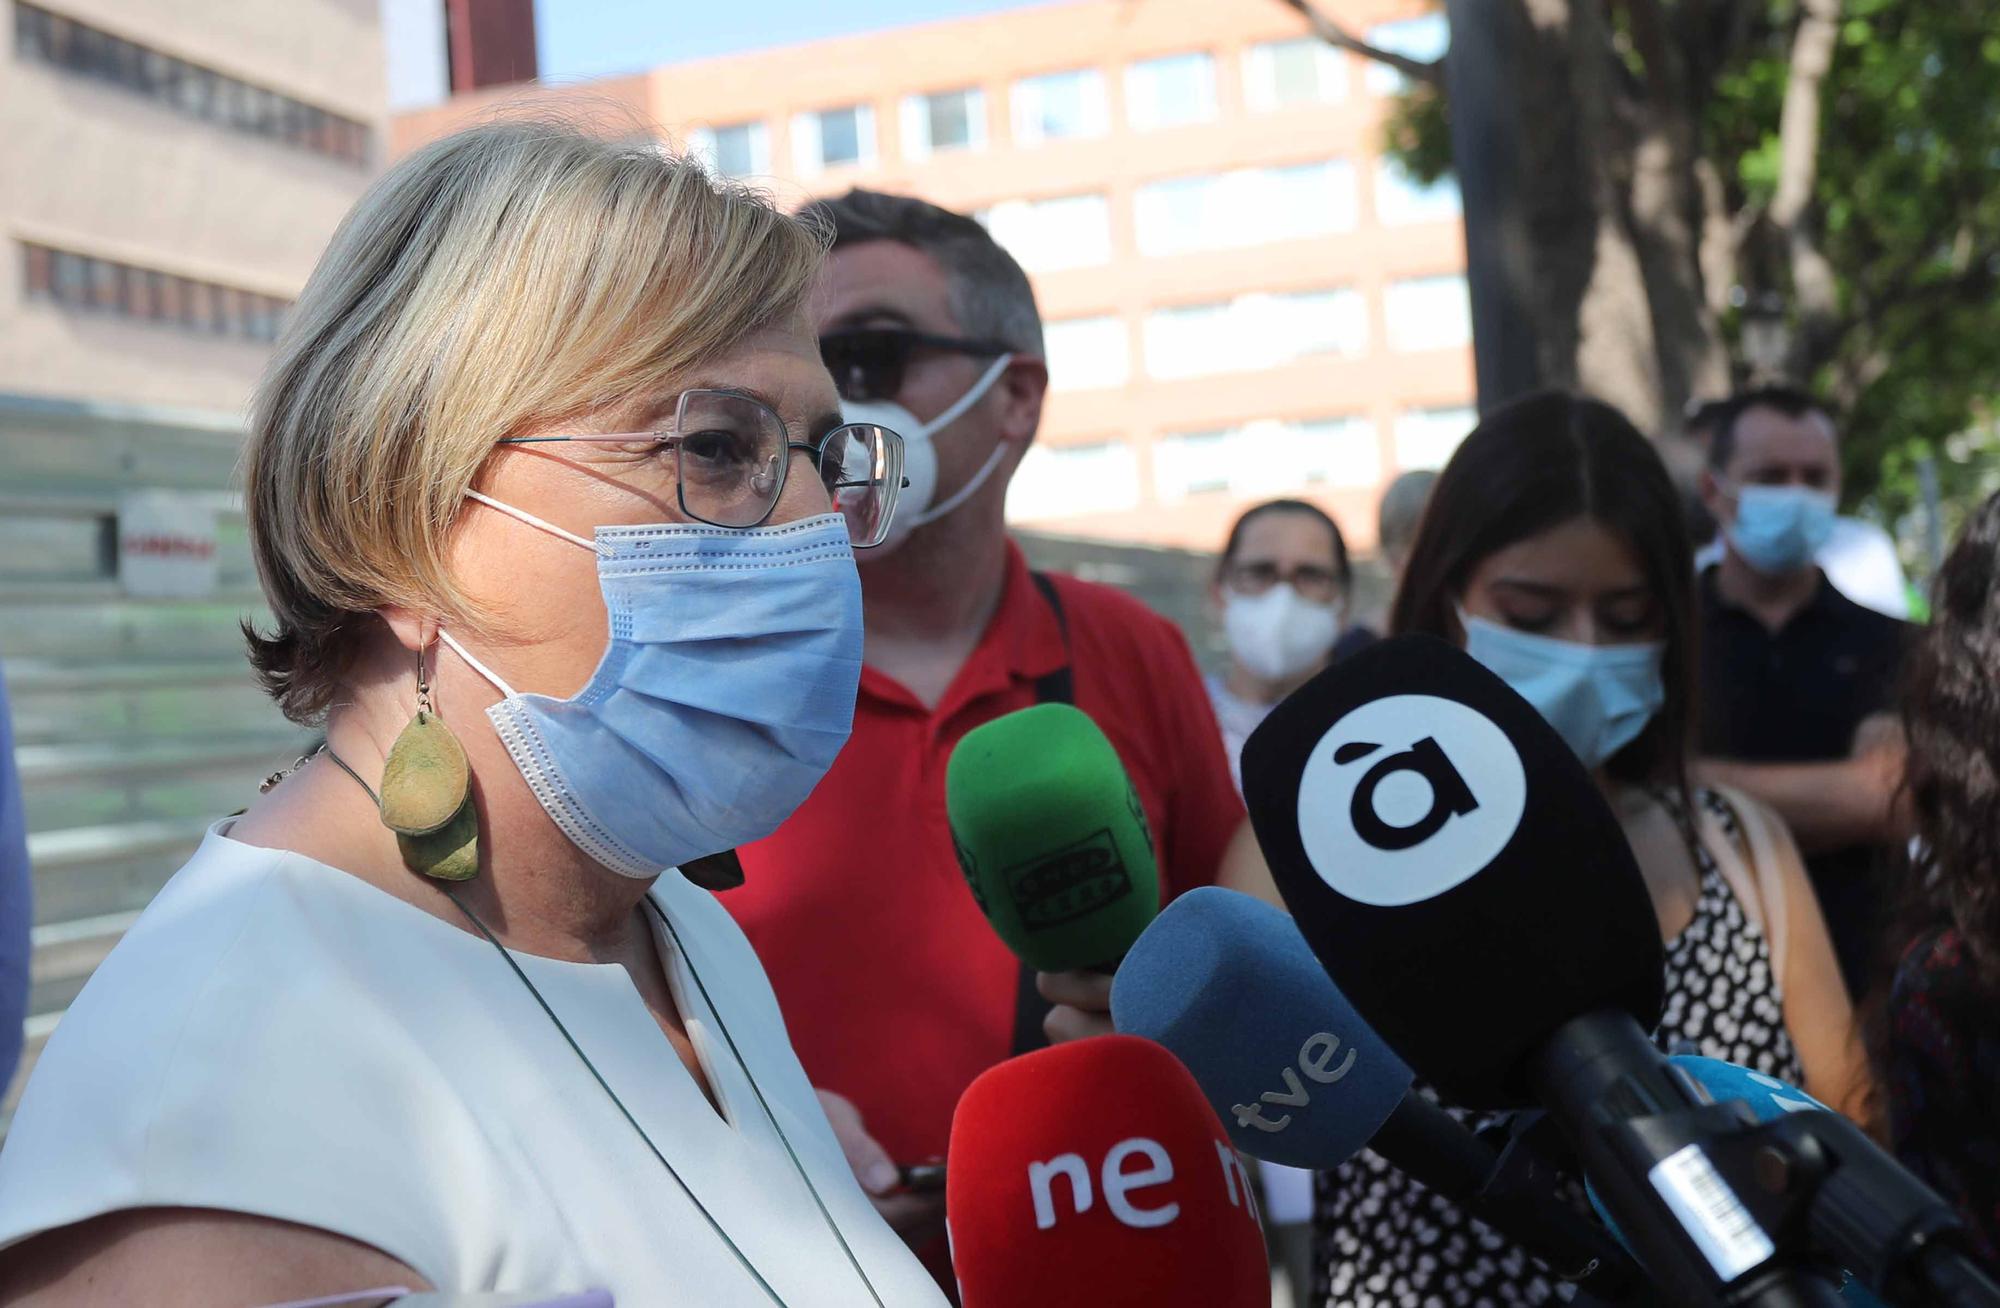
point(1407, 797)
point(1062, 884)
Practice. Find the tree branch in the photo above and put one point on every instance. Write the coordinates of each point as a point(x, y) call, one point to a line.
point(1798, 123)
point(1815, 285)
point(1334, 34)
point(1656, 50)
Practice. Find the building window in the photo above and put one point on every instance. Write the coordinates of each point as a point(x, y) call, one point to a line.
point(1279, 74)
point(1340, 451)
point(1064, 481)
point(1070, 231)
point(944, 120)
point(1426, 438)
point(1252, 206)
point(1303, 200)
point(1254, 332)
point(833, 137)
point(44, 37)
point(1087, 353)
point(1425, 39)
point(1400, 199)
point(1059, 107)
point(1268, 457)
point(1171, 91)
point(1180, 215)
point(736, 150)
point(119, 290)
point(1192, 463)
point(1428, 313)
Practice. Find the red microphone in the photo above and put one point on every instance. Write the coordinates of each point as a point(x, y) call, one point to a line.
point(1096, 1173)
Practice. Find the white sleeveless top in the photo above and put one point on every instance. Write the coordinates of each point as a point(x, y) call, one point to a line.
point(277, 1037)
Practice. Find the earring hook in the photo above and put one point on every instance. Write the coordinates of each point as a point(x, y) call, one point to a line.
point(423, 687)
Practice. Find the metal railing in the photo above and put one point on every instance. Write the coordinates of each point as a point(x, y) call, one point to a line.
point(136, 721)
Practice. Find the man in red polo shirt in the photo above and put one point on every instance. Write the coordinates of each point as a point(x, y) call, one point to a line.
point(896, 991)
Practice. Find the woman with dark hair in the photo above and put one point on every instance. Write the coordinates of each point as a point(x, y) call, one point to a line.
point(1554, 551)
point(1281, 591)
point(1942, 1053)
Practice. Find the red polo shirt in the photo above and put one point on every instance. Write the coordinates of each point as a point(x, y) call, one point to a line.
point(896, 991)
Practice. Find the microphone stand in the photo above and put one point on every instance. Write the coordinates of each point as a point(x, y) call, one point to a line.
point(1818, 1178)
point(1644, 1137)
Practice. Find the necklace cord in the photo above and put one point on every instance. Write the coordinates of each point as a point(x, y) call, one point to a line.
point(616, 1102)
point(619, 1104)
point(758, 1091)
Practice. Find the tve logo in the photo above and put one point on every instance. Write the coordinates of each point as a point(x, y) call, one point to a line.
point(1316, 1060)
point(1119, 1183)
point(1408, 796)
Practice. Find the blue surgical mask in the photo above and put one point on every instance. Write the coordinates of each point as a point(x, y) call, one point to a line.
point(725, 692)
point(1780, 528)
point(1597, 697)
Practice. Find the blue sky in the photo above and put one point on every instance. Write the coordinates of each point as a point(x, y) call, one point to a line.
point(593, 38)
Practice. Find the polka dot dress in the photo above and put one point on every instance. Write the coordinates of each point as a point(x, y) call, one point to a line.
point(1384, 1241)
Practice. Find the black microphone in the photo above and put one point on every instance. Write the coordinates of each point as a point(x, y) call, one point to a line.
point(1456, 871)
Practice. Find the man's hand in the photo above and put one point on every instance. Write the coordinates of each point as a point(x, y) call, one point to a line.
point(918, 1218)
point(1082, 1004)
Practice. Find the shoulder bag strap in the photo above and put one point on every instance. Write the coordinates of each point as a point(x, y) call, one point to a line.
point(1057, 687)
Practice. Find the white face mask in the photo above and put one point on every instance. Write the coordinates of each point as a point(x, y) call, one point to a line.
point(1279, 634)
point(920, 462)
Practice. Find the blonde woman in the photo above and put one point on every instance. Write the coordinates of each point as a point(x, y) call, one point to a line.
point(553, 503)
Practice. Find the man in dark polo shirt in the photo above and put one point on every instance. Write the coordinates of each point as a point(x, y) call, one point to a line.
point(895, 989)
point(1798, 681)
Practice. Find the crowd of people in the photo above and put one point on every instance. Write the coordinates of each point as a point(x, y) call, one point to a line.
point(683, 546)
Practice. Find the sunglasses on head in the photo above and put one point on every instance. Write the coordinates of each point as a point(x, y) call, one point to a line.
point(868, 363)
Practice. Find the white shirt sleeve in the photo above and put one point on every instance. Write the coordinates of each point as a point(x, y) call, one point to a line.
point(1860, 560)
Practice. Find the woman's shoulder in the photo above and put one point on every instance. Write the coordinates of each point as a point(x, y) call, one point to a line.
point(234, 918)
point(229, 1046)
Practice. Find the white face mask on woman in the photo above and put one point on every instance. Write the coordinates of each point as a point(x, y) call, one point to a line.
point(1279, 634)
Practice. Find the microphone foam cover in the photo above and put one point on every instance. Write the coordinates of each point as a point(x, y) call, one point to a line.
point(1095, 1173)
point(1452, 864)
point(1231, 988)
point(1051, 837)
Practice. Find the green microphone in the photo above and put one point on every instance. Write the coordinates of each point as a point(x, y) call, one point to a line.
point(1052, 838)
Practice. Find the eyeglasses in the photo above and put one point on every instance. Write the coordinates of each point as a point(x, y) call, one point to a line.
point(868, 363)
point(731, 453)
point(1312, 582)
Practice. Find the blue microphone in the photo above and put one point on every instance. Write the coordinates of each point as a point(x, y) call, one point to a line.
point(1227, 983)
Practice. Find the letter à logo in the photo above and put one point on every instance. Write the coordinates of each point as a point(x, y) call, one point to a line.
point(1450, 797)
point(1412, 823)
point(1068, 882)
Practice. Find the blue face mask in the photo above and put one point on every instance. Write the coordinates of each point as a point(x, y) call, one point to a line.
point(725, 692)
point(1597, 697)
point(1780, 528)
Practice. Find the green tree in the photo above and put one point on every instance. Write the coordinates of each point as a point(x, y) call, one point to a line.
point(1685, 157)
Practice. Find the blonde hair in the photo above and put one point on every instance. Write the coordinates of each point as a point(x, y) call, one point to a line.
point(510, 276)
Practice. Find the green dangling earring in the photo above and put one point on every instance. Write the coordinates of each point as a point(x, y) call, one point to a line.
point(426, 796)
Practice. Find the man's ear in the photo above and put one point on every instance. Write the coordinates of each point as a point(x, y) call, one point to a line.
point(1021, 388)
point(1713, 498)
